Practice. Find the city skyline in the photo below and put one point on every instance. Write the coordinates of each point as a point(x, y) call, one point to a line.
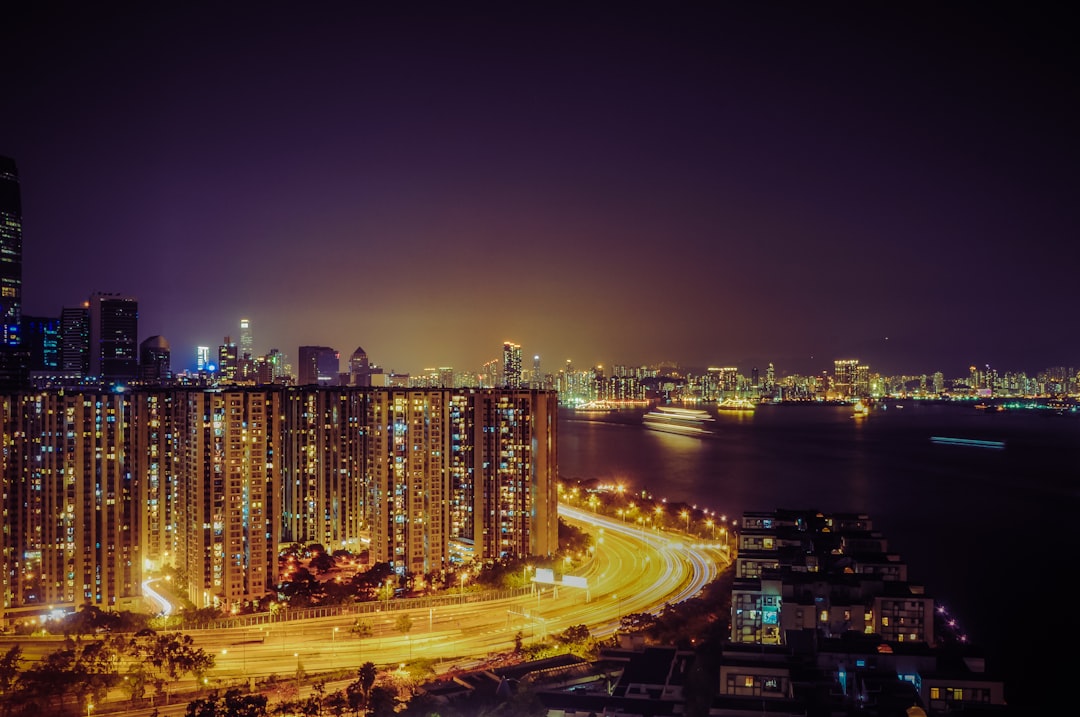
point(700, 186)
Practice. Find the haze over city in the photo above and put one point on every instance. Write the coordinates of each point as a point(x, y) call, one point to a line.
point(706, 185)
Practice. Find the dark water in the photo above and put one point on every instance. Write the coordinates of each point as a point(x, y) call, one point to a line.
point(989, 533)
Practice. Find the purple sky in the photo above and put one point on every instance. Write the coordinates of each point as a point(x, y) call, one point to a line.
point(724, 186)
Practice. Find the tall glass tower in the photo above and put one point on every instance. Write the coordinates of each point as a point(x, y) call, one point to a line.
point(11, 369)
point(511, 365)
point(114, 337)
point(247, 343)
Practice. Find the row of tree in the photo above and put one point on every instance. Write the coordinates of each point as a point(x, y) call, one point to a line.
point(83, 670)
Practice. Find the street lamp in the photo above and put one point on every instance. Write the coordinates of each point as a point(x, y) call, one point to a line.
point(333, 641)
point(712, 526)
point(89, 707)
point(461, 580)
point(297, 656)
point(685, 515)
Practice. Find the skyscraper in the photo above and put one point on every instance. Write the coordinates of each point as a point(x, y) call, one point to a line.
point(511, 365)
point(114, 337)
point(318, 364)
point(359, 368)
point(75, 340)
point(41, 342)
point(246, 342)
point(11, 363)
point(228, 360)
point(154, 360)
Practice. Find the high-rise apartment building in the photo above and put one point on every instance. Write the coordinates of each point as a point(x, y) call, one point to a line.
point(318, 365)
point(71, 512)
point(11, 368)
point(227, 492)
point(99, 486)
point(511, 365)
point(324, 448)
point(153, 460)
point(114, 337)
point(515, 468)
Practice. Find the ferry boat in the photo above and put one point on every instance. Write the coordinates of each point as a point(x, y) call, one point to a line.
point(736, 404)
point(684, 421)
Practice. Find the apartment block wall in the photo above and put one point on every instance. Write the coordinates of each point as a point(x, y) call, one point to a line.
point(324, 497)
point(228, 486)
point(100, 487)
point(71, 513)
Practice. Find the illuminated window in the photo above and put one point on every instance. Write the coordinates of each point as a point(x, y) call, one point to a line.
point(748, 681)
point(824, 616)
point(935, 693)
point(884, 621)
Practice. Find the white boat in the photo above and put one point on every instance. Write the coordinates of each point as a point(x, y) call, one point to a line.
point(684, 421)
point(736, 404)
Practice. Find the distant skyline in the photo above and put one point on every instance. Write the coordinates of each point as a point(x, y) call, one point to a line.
point(704, 184)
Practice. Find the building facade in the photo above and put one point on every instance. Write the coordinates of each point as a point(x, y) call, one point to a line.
point(11, 369)
point(101, 487)
point(318, 365)
point(114, 337)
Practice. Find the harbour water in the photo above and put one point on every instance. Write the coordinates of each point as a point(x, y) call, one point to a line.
point(985, 524)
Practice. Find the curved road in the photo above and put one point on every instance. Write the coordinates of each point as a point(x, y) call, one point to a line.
point(630, 570)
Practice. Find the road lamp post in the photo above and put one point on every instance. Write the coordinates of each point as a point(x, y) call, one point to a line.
point(333, 642)
point(685, 515)
point(297, 656)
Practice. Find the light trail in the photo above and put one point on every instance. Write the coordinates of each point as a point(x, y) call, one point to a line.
point(166, 606)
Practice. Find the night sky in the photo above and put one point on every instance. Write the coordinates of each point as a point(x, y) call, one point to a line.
point(709, 184)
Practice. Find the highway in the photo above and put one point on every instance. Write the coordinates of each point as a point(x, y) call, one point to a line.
point(629, 570)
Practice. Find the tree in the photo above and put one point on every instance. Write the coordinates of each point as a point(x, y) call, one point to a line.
point(574, 633)
point(169, 657)
point(322, 563)
point(358, 692)
point(337, 703)
point(9, 668)
point(403, 623)
point(361, 628)
point(233, 703)
point(382, 702)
